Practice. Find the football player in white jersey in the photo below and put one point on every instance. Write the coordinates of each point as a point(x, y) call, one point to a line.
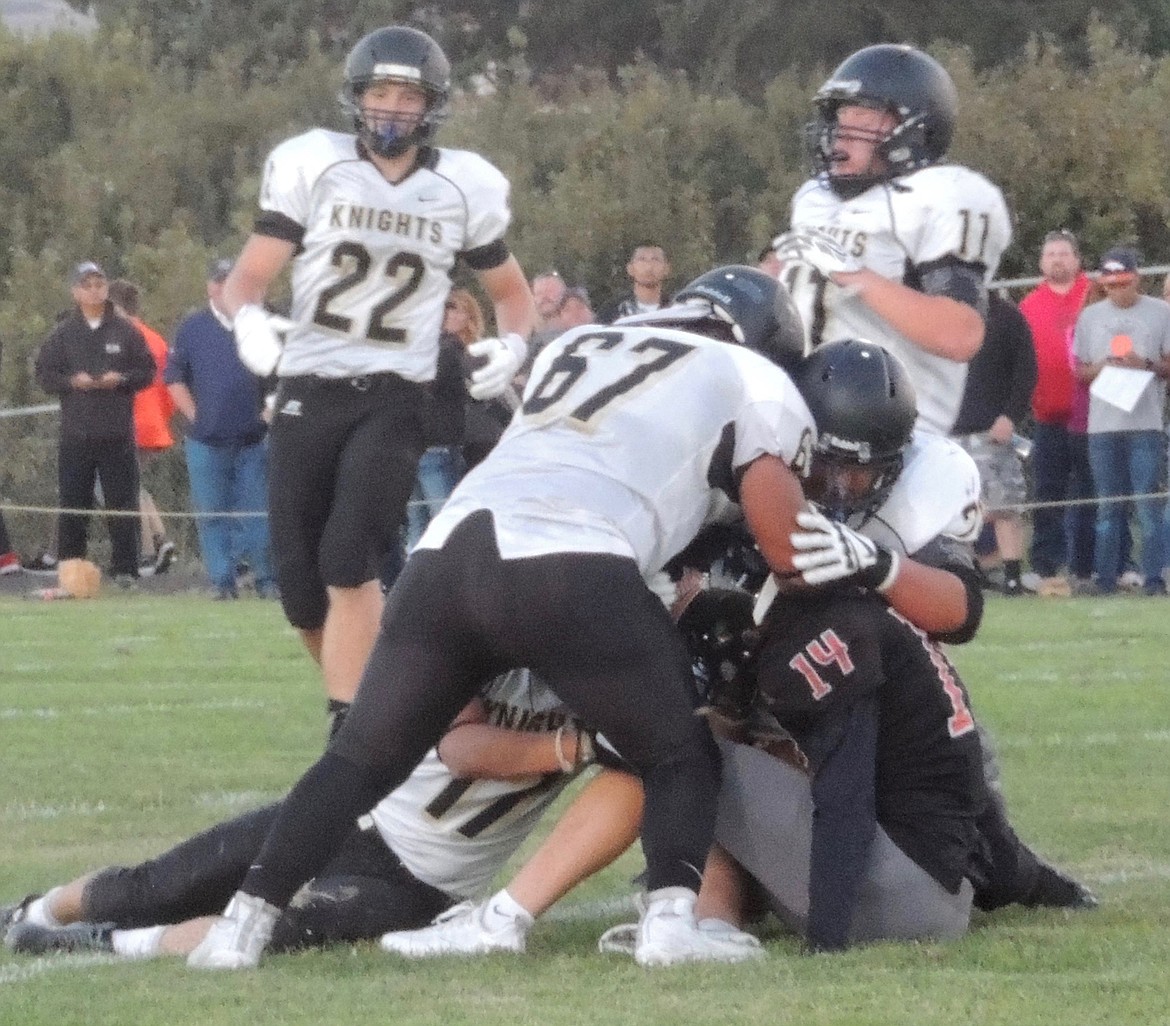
point(438, 839)
point(372, 224)
point(625, 438)
point(888, 485)
point(887, 242)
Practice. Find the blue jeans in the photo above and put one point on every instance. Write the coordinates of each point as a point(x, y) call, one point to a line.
point(439, 471)
point(1060, 472)
point(231, 479)
point(1128, 463)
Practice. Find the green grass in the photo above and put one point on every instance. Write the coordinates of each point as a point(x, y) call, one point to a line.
point(130, 721)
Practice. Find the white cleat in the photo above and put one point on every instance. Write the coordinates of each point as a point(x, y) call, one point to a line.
point(461, 930)
point(668, 933)
point(238, 937)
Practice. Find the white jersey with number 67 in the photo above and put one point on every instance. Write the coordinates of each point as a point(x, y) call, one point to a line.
point(626, 439)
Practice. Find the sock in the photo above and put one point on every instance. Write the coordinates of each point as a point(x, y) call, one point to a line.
point(141, 943)
point(1011, 571)
point(503, 909)
point(38, 912)
point(336, 710)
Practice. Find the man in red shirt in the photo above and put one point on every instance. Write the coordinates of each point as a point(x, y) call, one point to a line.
point(1059, 454)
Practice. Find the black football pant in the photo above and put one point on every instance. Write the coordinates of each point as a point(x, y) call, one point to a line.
point(1005, 869)
point(584, 623)
point(342, 461)
point(81, 463)
point(363, 892)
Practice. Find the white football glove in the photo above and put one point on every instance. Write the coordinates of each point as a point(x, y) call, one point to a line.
point(502, 357)
point(817, 249)
point(660, 583)
point(258, 338)
point(828, 551)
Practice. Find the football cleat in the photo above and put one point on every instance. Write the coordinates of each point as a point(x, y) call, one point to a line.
point(164, 557)
point(1054, 889)
point(238, 937)
point(12, 914)
point(461, 930)
point(31, 939)
point(668, 933)
point(619, 940)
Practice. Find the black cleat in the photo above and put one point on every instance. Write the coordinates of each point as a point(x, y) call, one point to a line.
point(12, 914)
point(31, 939)
point(1054, 889)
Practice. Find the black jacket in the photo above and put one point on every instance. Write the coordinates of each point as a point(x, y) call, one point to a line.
point(114, 345)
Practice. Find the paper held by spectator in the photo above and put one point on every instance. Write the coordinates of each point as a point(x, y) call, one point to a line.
point(1121, 386)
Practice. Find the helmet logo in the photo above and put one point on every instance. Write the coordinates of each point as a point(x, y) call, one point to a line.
point(860, 450)
point(842, 86)
point(397, 71)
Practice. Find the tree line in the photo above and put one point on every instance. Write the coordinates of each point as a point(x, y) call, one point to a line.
point(125, 149)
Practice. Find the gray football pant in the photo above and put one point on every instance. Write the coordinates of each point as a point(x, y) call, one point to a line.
point(765, 823)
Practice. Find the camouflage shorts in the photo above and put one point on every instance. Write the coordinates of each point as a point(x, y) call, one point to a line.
point(1000, 470)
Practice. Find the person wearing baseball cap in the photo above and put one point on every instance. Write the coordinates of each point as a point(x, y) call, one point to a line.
point(226, 444)
point(96, 361)
point(1122, 349)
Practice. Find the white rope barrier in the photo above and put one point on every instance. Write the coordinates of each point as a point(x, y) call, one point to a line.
point(1023, 507)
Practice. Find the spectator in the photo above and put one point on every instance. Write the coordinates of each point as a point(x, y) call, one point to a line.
point(648, 270)
point(153, 409)
point(768, 262)
point(1166, 288)
point(548, 290)
point(1060, 460)
point(441, 465)
point(9, 560)
point(1000, 381)
point(226, 449)
point(1126, 338)
point(575, 309)
point(96, 361)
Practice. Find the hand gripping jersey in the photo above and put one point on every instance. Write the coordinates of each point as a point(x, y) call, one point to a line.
point(912, 230)
point(934, 500)
point(371, 273)
point(456, 833)
point(624, 442)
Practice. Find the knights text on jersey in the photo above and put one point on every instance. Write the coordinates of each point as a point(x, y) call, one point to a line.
point(372, 270)
point(900, 229)
point(625, 437)
point(456, 833)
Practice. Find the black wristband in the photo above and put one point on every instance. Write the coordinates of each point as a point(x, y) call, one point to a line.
point(876, 576)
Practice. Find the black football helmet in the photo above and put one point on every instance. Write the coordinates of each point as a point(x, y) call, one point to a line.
point(396, 54)
point(909, 84)
point(737, 304)
point(722, 638)
point(864, 407)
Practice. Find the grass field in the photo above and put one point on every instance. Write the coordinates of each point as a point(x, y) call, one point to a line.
point(128, 722)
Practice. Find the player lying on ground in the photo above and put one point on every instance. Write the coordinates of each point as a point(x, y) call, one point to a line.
point(625, 437)
point(439, 838)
